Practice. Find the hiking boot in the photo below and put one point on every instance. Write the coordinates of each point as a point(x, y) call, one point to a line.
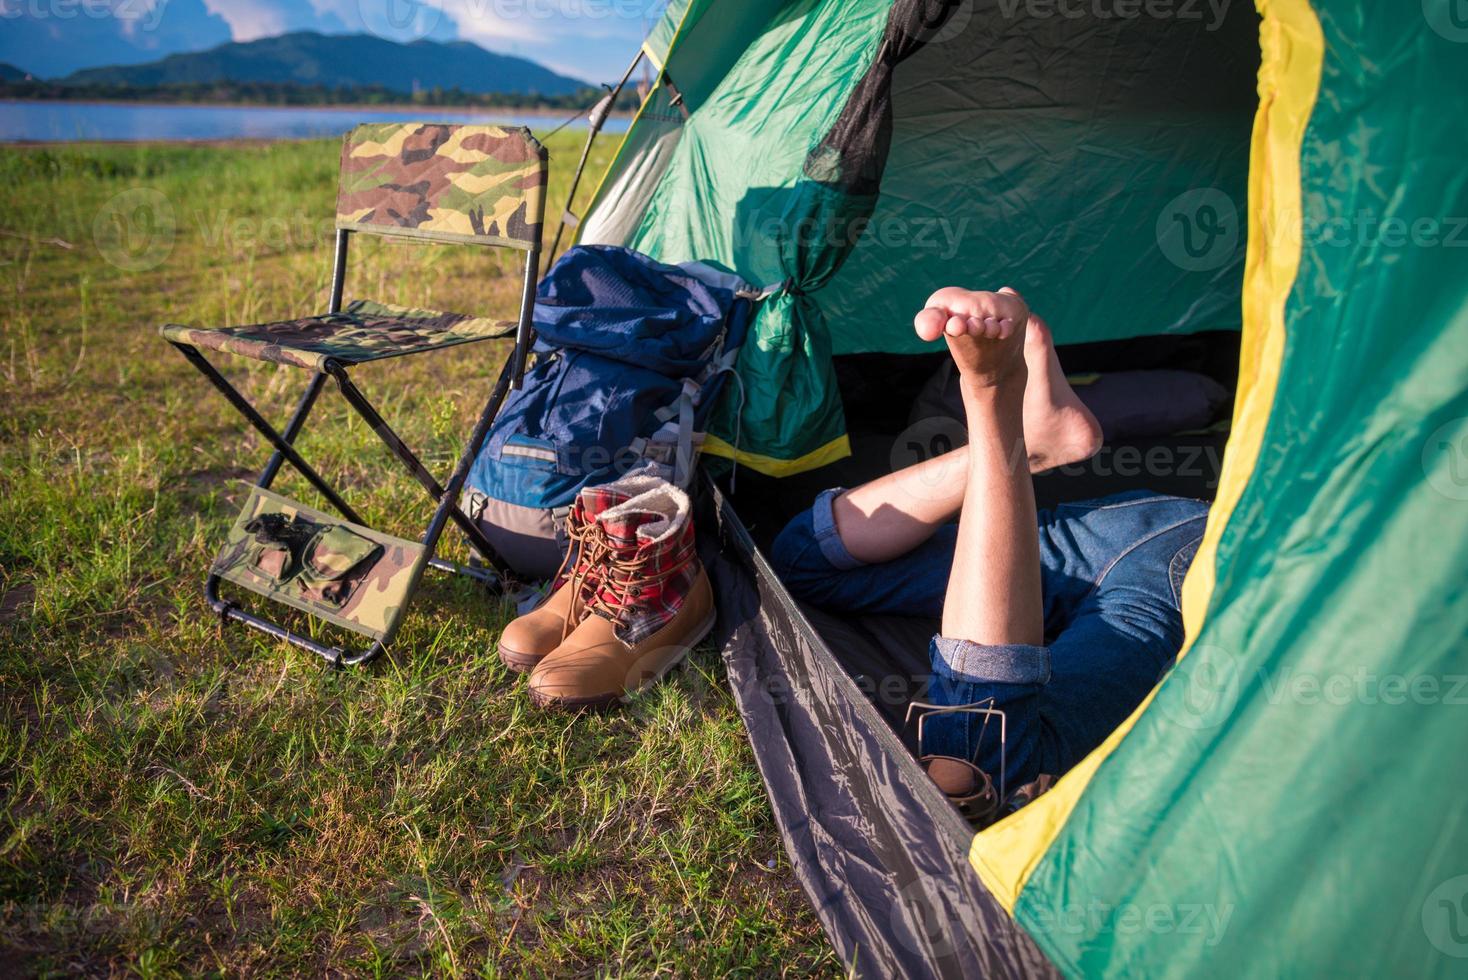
point(651, 603)
point(527, 639)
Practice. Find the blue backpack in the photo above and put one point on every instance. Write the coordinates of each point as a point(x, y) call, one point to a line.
point(630, 357)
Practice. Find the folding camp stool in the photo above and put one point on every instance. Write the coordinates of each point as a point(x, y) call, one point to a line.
point(471, 185)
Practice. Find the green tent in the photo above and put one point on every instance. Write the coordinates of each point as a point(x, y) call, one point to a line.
point(1285, 801)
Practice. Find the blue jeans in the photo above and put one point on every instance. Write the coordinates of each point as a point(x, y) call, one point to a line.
point(1111, 575)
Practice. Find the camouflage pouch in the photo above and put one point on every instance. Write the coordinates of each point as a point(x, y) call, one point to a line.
point(272, 560)
point(335, 563)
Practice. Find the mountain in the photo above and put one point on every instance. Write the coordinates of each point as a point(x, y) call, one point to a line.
point(51, 39)
point(343, 60)
point(10, 73)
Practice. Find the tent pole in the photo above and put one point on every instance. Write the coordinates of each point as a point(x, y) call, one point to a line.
point(597, 118)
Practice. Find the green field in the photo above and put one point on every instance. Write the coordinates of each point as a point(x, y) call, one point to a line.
point(181, 799)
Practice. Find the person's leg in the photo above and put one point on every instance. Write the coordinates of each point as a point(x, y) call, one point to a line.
point(894, 514)
point(993, 594)
point(990, 650)
point(1113, 572)
point(810, 559)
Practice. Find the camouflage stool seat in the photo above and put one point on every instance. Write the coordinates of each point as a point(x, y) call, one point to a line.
point(425, 182)
point(364, 331)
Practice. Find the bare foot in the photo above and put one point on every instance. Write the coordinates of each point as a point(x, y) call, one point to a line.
point(1059, 429)
point(985, 333)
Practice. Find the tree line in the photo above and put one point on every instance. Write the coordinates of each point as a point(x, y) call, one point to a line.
point(295, 94)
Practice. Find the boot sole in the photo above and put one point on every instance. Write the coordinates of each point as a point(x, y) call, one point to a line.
point(520, 663)
point(607, 700)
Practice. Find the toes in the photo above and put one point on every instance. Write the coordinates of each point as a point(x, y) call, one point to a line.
point(929, 323)
point(956, 326)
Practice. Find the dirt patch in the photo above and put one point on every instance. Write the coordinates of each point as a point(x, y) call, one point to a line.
point(16, 603)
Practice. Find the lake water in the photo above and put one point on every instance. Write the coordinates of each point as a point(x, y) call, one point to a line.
point(63, 121)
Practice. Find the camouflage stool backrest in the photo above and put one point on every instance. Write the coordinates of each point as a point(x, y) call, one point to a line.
point(481, 185)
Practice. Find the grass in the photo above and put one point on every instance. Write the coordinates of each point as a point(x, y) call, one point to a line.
point(181, 799)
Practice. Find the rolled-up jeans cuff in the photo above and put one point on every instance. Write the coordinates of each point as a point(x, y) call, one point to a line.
point(1004, 663)
point(828, 539)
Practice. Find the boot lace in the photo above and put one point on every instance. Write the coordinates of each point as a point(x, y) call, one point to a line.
point(627, 576)
point(584, 556)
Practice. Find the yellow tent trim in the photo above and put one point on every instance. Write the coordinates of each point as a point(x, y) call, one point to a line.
point(1006, 855)
point(838, 448)
point(652, 55)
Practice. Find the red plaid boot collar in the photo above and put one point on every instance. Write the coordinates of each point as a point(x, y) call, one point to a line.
point(644, 578)
point(585, 547)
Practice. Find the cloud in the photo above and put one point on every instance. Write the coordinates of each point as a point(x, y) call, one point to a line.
point(398, 20)
point(592, 39)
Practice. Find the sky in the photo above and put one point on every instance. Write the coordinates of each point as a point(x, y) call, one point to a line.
point(588, 39)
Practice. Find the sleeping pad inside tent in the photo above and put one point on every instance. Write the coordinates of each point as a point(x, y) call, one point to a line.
point(1178, 188)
